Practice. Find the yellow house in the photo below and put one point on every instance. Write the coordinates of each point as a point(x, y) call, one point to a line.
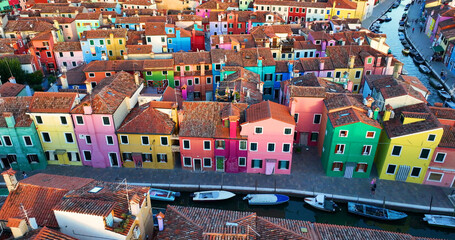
point(51, 113)
point(115, 43)
point(145, 139)
point(343, 9)
point(410, 135)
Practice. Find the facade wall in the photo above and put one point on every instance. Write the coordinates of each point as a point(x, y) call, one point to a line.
point(446, 168)
point(307, 108)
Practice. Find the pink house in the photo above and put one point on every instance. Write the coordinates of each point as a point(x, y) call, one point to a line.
point(98, 116)
point(441, 171)
point(68, 55)
point(319, 66)
point(206, 8)
point(269, 128)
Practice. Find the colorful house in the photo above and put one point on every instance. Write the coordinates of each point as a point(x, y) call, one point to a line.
point(50, 112)
point(349, 137)
point(103, 44)
point(149, 133)
point(87, 22)
point(212, 6)
point(319, 66)
point(178, 39)
point(342, 9)
point(217, 24)
point(136, 4)
point(43, 44)
point(100, 114)
point(269, 128)
point(210, 138)
point(408, 141)
point(155, 34)
point(20, 146)
point(137, 23)
point(241, 86)
point(159, 73)
point(68, 55)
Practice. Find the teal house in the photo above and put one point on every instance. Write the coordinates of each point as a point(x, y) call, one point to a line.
point(87, 22)
point(349, 136)
point(20, 146)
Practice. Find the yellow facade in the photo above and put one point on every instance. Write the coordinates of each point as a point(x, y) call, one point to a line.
point(155, 148)
point(351, 76)
point(59, 149)
point(115, 47)
point(411, 149)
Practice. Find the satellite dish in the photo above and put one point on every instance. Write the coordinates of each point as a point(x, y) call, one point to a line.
point(33, 224)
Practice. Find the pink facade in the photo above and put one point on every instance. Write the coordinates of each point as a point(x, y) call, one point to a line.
point(101, 147)
point(307, 112)
point(197, 154)
point(442, 168)
point(205, 13)
point(70, 59)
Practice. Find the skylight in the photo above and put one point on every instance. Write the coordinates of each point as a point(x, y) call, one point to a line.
point(95, 190)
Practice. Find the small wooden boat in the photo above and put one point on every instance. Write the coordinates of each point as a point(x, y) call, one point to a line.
point(418, 59)
point(374, 212)
point(216, 195)
point(321, 203)
point(401, 29)
point(402, 23)
point(435, 83)
point(163, 195)
point(396, 4)
point(382, 19)
point(388, 19)
point(444, 94)
point(405, 51)
point(440, 220)
point(413, 52)
point(407, 45)
point(401, 37)
point(424, 68)
point(266, 199)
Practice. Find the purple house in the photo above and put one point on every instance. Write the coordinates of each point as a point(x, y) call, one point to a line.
point(98, 116)
point(319, 66)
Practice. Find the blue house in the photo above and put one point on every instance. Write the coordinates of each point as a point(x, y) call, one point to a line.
point(178, 39)
point(93, 48)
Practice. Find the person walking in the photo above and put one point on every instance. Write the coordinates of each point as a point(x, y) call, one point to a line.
point(373, 186)
point(413, 30)
point(24, 175)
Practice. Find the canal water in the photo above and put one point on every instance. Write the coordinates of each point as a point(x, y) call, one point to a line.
point(297, 209)
point(391, 29)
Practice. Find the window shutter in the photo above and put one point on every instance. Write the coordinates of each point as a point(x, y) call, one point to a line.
point(357, 167)
point(366, 167)
point(341, 166)
point(333, 166)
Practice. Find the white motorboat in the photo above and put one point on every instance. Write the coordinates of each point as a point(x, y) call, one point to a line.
point(440, 220)
point(321, 203)
point(215, 195)
point(424, 68)
point(444, 94)
point(266, 199)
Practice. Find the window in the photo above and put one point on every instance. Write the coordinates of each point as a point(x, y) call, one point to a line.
point(108, 74)
point(431, 137)
point(355, 88)
point(71, 54)
point(39, 120)
point(440, 157)
point(79, 120)
point(124, 139)
point(196, 81)
point(161, 157)
point(339, 148)
point(101, 42)
point(145, 140)
point(282, 164)
point(357, 74)
point(366, 150)
point(110, 53)
point(314, 136)
point(187, 68)
point(88, 139)
point(60, 54)
point(337, 166)
point(69, 138)
point(46, 137)
point(343, 133)
point(287, 131)
point(12, 158)
point(220, 144)
point(109, 140)
point(391, 169)
point(147, 157)
point(396, 151)
point(258, 130)
point(106, 121)
point(435, 177)
point(253, 147)
point(415, 172)
point(164, 141)
point(127, 156)
point(51, 155)
point(92, 75)
point(87, 155)
point(178, 68)
point(256, 163)
point(368, 72)
point(286, 147)
point(424, 153)
point(337, 74)
point(329, 74)
point(7, 141)
point(317, 119)
point(164, 73)
point(369, 60)
point(242, 145)
point(186, 144)
point(27, 141)
point(73, 156)
point(177, 83)
point(63, 120)
point(296, 117)
point(207, 162)
point(32, 158)
point(187, 161)
point(190, 82)
point(207, 145)
point(92, 42)
point(271, 147)
point(209, 80)
point(370, 134)
point(169, 41)
point(218, 67)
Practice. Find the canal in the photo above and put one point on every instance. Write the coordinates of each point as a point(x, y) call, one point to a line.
point(391, 29)
point(297, 209)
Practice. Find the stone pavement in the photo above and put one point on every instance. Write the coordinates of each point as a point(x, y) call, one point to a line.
point(378, 11)
point(421, 42)
point(307, 177)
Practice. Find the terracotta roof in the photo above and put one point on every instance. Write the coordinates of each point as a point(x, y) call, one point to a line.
point(139, 49)
point(61, 20)
point(49, 234)
point(140, 19)
point(114, 65)
point(140, 12)
point(74, 76)
point(184, 18)
point(244, 40)
point(23, 58)
point(56, 8)
point(340, 55)
point(292, 3)
point(331, 231)
point(193, 58)
point(203, 119)
point(39, 194)
point(99, 4)
point(269, 110)
point(306, 86)
point(107, 96)
point(344, 4)
point(214, 4)
point(335, 101)
point(413, 81)
point(52, 102)
point(304, 45)
point(9, 89)
point(395, 128)
point(242, 81)
point(443, 112)
point(104, 33)
point(14, 222)
point(85, 206)
point(67, 47)
point(313, 64)
point(147, 120)
point(264, 32)
point(158, 64)
point(136, 38)
point(172, 95)
point(350, 116)
point(155, 28)
point(448, 138)
point(163, 104)
point(139, 2)
point(390, 87)
point(89, 16)
point(28, 26)
point(18, 106)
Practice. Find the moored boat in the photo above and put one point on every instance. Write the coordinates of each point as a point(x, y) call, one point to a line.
point(424, 68)
point(374, 212)
point(444, 94)
point(435, 83)
point(413, 52)
point(450, 104)
point(405, 51)
point(321, 203)
point(215, 195)
point(401, 29)
point(388, 19)
point(163, 195)
point(418, 59)
point(266, 199)
point(440, 220)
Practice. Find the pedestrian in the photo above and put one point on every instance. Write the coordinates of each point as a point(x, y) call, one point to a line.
point(373, 186)
point(421, 29)
point(413, 30)
point(442, 73)
point(24, 175)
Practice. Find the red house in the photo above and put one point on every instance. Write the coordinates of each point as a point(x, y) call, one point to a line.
point(43, 43)
point(237, 21)
point(197, 40)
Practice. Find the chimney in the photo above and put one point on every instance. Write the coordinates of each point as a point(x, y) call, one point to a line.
point(351, 61)
point(397, 68)
point(389, 64)
point(103, 57)
point(179, 16)
point(219, 17)
point(160, 218)
point(369, 101)
point(217, 6)
point(233, 123)
point(321, 65)
point(388, 113)
point(221, 39)
point(134, 205)
point(202, 69)
point(10, 179)
point(361, 40)
point(87, 110)
point(260, 61)
point(378, 61)
point(18, 230)
point(9, 118)
point(136, 78)
point(64, 80)
point(12, 79)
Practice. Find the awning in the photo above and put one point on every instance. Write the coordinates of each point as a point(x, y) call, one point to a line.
point(60, 151)
point(270, 166)
point(137, 157)
point(438, 48)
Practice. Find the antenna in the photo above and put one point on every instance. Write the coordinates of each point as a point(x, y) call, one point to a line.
point(127, 195)
point(22, 208)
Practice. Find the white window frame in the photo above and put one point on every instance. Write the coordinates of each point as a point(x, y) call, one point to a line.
point(420, 172)
point(347, 133)
point(66, 119)
point(401, 149)
point(191, 162)
point(374, 134)
point(25, 143)
point(210, 145)
point(278, 163)
point(429, 153)
point(440, 180)
point(369, 153)
point(127, 139)
point(443, 159)
point(284, 131)
point(10, 140)
point(161, 141)
point(107, 142)
point(364, 163)
point(252, 165)
point(40, 117)
point(90, 140)
point(183, 144)
point(83, 153)
point(320, 118)
point(428, 139)
point(344, 147)
point(83, 122)
point(289, 147)
point(262, 130)
point(274, 147)
point(239, 162)
point(339, 169)
point(158, 159)
point(246, 144)
point(142, 141)
point(42, 137)
point(257, 146)
point(394, 171)
point(203, 162)
point(102, 120)
point(64, 134)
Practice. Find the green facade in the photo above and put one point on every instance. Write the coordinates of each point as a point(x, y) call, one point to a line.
point(158, 77)
point(354, 147)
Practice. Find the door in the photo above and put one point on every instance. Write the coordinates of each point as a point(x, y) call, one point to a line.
point(197, 163)
point(403, 172)
point(349, 169)
point(304, 138)
point(113, 159)
point(220, 164)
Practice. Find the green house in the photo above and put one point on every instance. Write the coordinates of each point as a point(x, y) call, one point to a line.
point(159, 72)
point(348, 137)
point(20, 146)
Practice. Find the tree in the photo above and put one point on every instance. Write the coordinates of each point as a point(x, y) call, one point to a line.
point(12, 66)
